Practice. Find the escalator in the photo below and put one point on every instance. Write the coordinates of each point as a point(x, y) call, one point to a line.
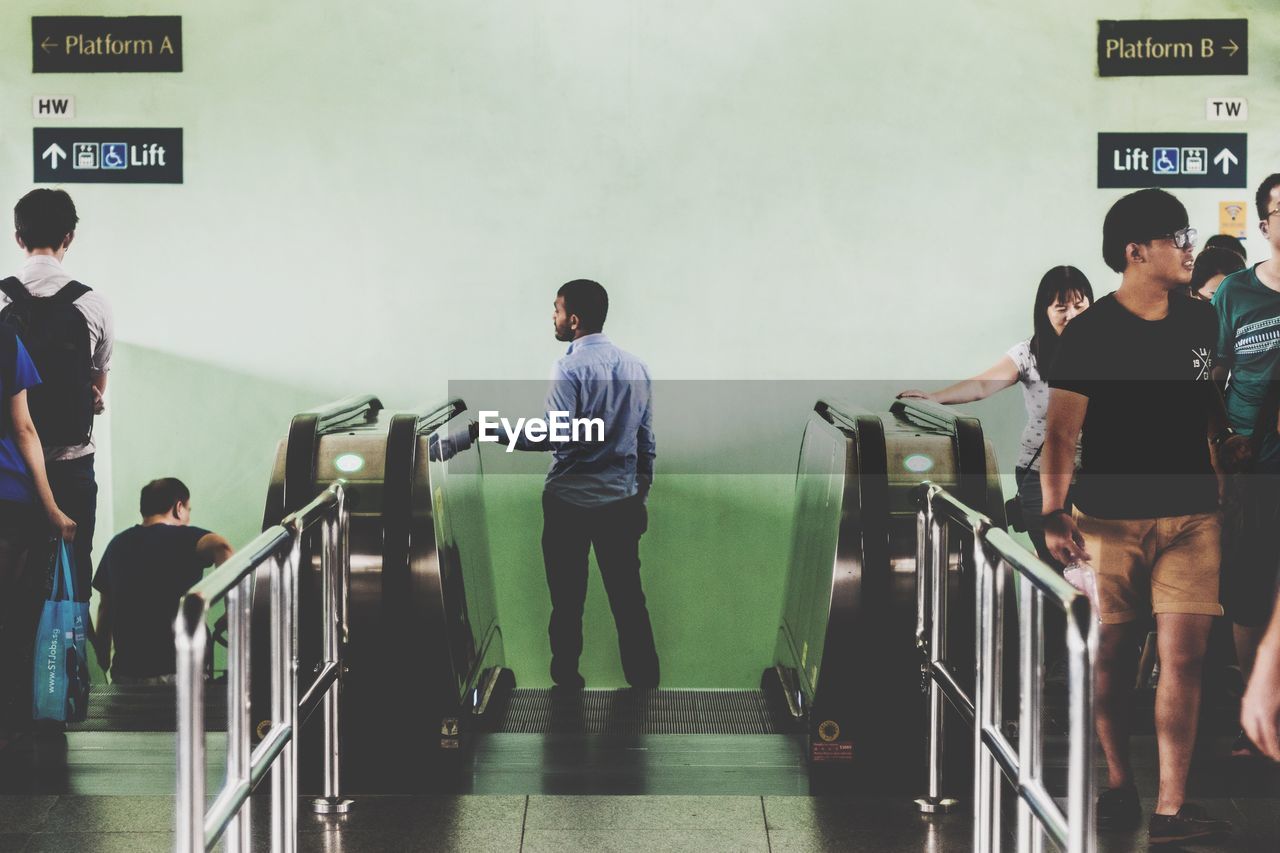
point(427, 679)
point(845, 663)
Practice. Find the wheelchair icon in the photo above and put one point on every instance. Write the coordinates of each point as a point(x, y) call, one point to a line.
point(115, 155)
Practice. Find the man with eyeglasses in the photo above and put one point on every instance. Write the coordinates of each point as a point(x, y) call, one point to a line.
point(1133, 372)
point(1248, 306)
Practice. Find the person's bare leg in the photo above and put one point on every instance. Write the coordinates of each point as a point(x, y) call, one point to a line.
point(1183, 639)
point(1113, 697)
point(1247, 638)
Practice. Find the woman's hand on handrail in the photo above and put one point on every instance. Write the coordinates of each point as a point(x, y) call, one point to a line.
point(994, 379)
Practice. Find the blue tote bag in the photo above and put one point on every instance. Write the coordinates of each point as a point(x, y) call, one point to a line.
point(61, 687)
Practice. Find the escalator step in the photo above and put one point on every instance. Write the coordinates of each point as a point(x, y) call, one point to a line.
point(627, 712)
point(119, 708)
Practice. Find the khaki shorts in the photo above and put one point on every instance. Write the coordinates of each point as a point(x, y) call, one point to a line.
point(1154, 565)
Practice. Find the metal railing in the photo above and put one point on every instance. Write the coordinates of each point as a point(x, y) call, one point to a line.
point(994, 549)
point(280, 547)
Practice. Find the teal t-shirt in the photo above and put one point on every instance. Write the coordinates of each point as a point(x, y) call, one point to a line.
point(1249, 344)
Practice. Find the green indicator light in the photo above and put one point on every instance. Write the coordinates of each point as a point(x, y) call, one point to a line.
point(917, 463)
point(349, 463)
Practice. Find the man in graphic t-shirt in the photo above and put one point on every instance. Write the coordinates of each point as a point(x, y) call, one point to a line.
point(1134, 373)
point(142, 575)
point(1248, 306)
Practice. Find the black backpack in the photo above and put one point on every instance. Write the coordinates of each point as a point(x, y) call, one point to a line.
point(56, 337)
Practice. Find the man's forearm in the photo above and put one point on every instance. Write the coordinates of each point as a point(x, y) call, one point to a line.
point(1056, 469)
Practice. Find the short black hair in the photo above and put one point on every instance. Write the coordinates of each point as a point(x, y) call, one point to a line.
point(1214, 260)
point(1139, 217)
point(588, 300)
point(159, 496)
point(1263, 198)
point(1226, 241)
point(43, 218)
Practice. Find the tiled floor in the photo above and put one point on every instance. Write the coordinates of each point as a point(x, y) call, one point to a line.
point(634, 824)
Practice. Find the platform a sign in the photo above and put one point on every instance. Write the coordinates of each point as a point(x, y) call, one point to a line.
point(86, 43)
point(1172, 160)
point(1167, 48)
point(107, 155)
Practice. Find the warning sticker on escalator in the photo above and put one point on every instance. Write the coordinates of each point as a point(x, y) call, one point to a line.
point(842, 751)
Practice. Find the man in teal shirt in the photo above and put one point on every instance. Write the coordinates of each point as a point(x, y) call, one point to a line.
point(1248, 305)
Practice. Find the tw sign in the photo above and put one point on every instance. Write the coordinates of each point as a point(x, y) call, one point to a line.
point(53, 106)
point(1226, 109)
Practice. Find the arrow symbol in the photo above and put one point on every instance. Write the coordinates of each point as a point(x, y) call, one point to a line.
point(53, 152)
point(1226, 159)
point(46, 44)
point(1233, 46)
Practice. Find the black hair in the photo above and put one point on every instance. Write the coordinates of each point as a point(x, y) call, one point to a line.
point(1058, 284)
point(1214, 260)
point(43, 218)
point(1263, 198)
point(159, 496)
point(1226, 241)
point(1139, 217)
point(588, 300)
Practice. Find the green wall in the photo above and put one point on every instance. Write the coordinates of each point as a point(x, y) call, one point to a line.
point(383, 198)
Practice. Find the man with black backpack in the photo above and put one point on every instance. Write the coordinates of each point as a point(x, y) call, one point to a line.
point(67, 330)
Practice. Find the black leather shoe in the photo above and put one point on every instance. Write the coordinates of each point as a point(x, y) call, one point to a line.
point(1191, 823)
point(1118, 808)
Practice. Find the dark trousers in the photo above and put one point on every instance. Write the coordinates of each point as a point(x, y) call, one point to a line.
point(76, 492)
point(614, 530)
point(24, 569)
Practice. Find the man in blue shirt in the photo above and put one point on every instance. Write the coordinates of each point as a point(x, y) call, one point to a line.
point(596, 490)
point(28, 515)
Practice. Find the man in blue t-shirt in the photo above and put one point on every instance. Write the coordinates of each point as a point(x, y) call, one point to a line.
point(142, 575)
point(28, 518)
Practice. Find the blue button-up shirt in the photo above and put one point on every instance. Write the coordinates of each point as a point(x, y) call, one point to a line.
point(595, 379)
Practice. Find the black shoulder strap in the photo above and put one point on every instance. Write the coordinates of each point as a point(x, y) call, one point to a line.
point(13, 288)
point(70, 292)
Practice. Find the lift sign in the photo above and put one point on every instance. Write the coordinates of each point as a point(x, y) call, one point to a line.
point(1172, 160)
point(107, 155)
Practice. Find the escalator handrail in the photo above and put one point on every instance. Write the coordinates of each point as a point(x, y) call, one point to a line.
point(304, 438)
point(362, 407)
point(841, 411)
point(432, 418)
point(926, 412)
point(970, 443)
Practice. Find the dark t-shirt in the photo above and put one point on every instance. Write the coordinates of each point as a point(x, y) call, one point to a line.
point(1145, 447)
point(146, 570)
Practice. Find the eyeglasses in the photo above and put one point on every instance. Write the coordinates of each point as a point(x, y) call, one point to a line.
point(1183, 238)
point(1273, 213)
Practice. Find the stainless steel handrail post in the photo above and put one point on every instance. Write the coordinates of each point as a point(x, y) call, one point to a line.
point(996, 557)
point(333, 568)
point(986, 788)
point(280, 826)
point(189, 640)
point(279, 550)
point(239, 722)
point(935, 551)
point(1082, 642)
point(289, 755)
point(1031, 673)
